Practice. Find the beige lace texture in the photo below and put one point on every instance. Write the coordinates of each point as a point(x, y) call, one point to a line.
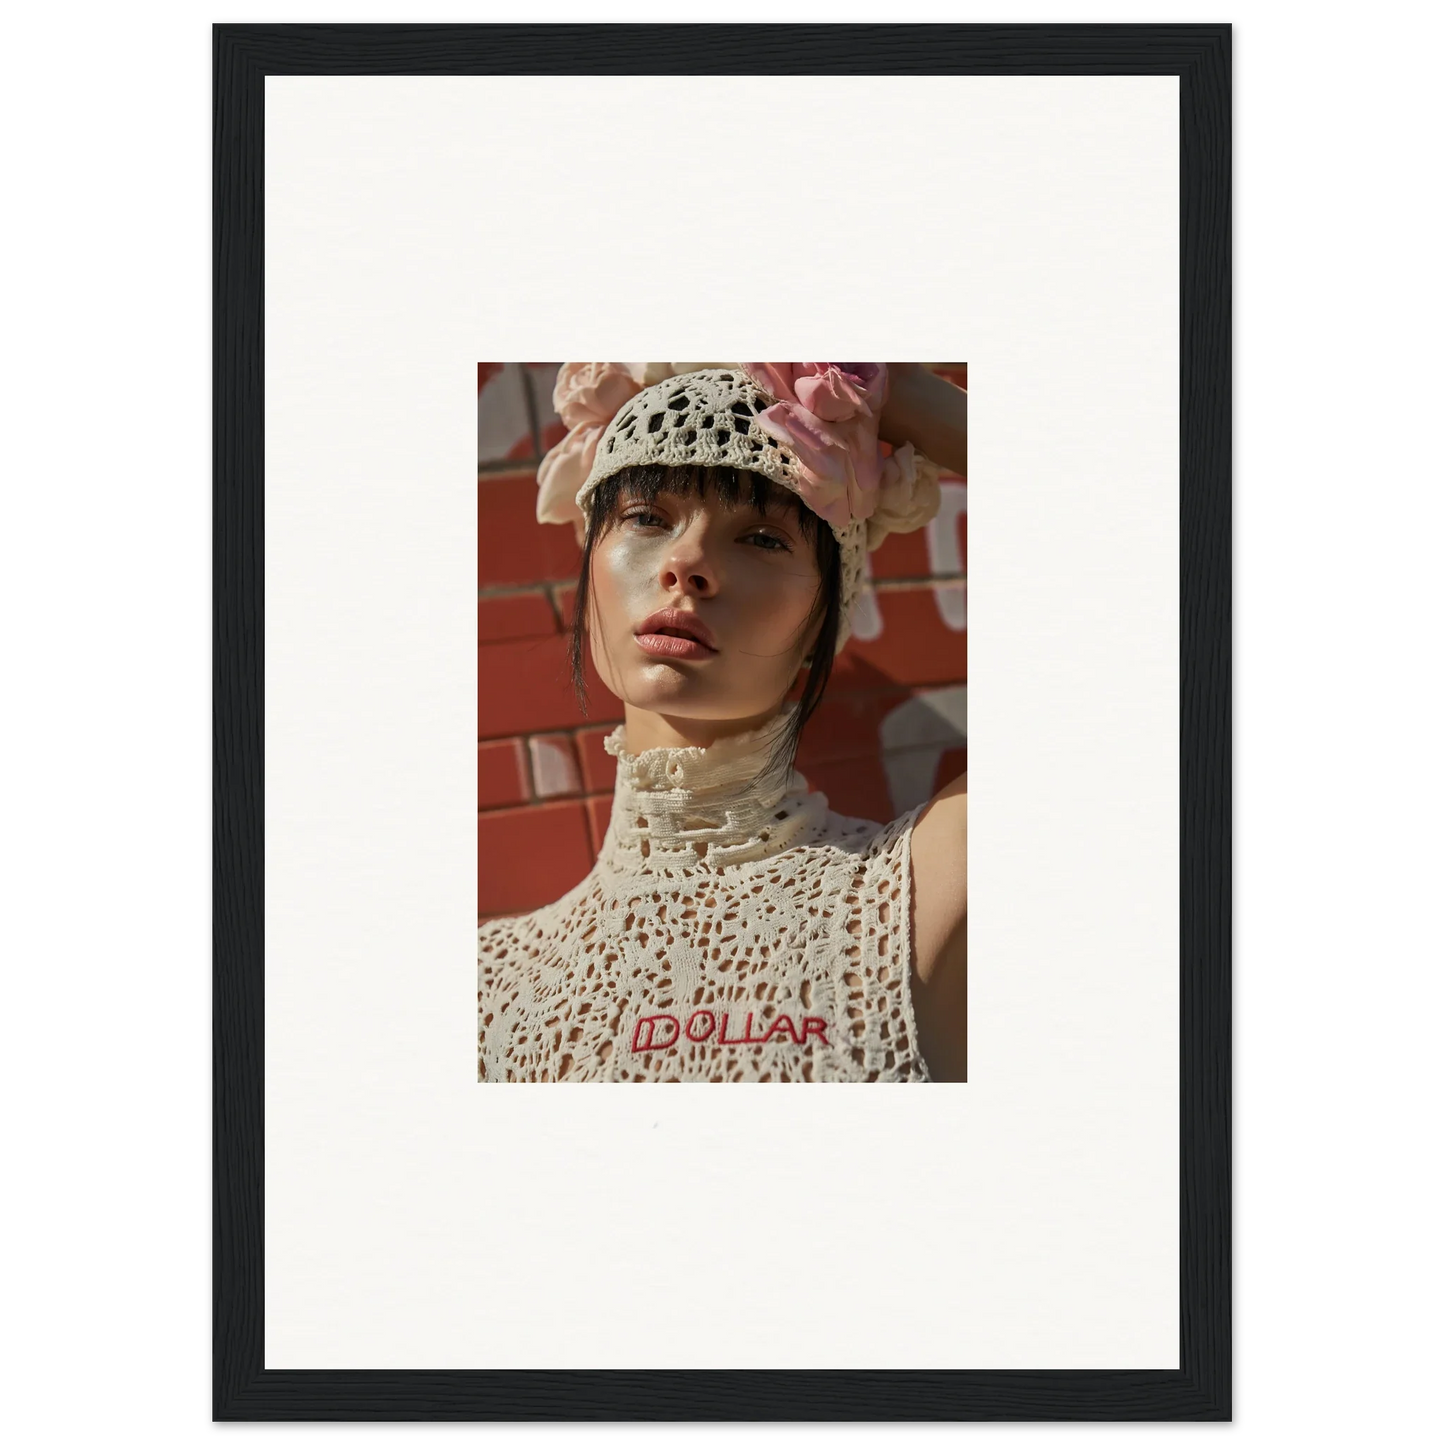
point(732, 929)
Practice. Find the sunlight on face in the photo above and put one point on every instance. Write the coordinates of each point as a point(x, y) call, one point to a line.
point(751, 578)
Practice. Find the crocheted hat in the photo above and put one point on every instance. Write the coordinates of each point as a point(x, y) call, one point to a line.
point(810, 427)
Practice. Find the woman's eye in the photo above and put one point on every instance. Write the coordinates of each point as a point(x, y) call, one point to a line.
point(773, 544)
point(646, 518)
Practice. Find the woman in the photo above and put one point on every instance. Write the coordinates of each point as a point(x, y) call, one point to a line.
point(733, 926)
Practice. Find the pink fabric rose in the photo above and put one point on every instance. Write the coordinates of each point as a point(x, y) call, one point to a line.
point(587, 395)
point(827, 414)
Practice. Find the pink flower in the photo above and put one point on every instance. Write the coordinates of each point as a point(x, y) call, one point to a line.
point(592, 391)
point(827, 414)
point(587, 395)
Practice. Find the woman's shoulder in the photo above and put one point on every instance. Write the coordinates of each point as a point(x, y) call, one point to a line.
point(942, 822)
point(940, 839)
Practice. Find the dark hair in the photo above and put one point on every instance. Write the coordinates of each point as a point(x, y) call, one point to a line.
point(732, 485)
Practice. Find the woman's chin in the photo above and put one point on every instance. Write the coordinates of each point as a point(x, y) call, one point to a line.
point(670, 691)
point(666, 687)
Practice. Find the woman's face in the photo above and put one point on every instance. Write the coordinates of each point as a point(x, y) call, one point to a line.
point(747, 579)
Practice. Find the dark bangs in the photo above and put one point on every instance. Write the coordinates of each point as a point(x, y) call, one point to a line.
point(733, 486)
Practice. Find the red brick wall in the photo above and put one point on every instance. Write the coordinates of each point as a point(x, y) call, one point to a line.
point(544, 783)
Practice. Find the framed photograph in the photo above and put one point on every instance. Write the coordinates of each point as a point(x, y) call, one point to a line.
point(655, 679)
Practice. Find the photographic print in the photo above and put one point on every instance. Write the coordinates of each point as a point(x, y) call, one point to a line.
point(722, 731)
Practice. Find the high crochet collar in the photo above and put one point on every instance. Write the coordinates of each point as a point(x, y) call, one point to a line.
point(679, 807)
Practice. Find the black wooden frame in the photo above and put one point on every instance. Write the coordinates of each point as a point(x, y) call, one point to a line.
point(1200, 56)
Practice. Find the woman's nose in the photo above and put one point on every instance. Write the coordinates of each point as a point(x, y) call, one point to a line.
point(688, 565)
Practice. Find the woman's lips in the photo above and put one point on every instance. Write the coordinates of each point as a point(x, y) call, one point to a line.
point(676, 632)
point(666, 644)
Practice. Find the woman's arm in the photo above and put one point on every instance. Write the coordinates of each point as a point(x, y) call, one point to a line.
point(928, 411)
point(939, 852)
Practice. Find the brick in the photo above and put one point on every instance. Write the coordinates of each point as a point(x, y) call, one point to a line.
point(599, 767)
point(856, 787)
point(599, 814)
point(501, 774)
point(509, 541)
point(528, 857)
point(846, 723)
point(513, 547)
point(555, 773)
point(915, 646)
point(561, 556)
point(525, 687)
point(903, 554)
point(521, 614)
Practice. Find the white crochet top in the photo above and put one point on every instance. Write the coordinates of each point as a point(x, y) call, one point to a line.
point(730, 930)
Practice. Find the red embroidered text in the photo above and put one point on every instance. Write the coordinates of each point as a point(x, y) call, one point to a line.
point(662, 1031)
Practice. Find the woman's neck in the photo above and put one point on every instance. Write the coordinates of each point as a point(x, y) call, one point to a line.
point(719, 802)
point(644, 729)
